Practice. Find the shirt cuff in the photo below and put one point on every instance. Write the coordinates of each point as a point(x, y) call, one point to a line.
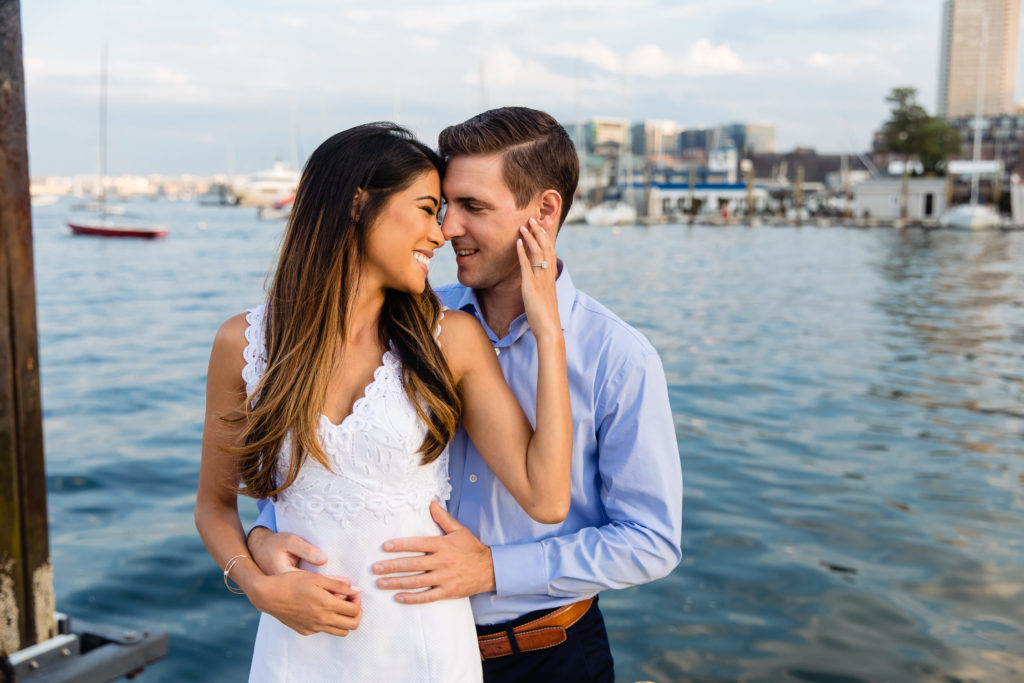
point(267, 517)
point(519, 569)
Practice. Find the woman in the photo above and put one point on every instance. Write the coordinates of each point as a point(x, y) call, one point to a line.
point(338, 398)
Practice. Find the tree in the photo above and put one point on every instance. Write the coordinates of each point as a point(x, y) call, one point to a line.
point(913, 133)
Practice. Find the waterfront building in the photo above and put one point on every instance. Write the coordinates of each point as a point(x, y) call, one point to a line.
point(816, 167)
point(724, 160)
point(692, 140)
point(656, 138)
point(1002, 139)
point(749, 138)
point(606, 133)
point(758, 138)
point(961, 53)
point(880, 198)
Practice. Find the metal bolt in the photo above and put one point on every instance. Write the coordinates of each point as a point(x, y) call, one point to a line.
point(130, 635)
point(65, 652)
point(33, 664)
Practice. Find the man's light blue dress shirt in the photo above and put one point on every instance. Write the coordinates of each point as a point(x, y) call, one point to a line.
point(625, 522)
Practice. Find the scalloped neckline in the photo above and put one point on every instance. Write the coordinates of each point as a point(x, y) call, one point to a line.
point(378, 375)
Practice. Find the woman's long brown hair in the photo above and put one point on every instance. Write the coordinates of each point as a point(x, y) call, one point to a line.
point(308, 304)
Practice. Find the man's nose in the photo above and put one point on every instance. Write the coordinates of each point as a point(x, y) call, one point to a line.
point(451, 226)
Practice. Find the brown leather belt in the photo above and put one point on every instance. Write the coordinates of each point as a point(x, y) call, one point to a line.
point(547, 631)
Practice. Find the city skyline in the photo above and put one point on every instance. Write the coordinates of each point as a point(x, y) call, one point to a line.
point(206, 88)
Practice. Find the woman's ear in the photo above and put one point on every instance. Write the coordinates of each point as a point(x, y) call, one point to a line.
point(357, 205)
point(549, 207)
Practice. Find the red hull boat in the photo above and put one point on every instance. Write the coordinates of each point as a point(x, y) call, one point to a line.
point(112, 229)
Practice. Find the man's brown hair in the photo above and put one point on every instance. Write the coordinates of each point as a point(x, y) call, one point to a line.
point(537, 152)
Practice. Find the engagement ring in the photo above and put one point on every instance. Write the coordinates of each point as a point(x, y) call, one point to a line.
point(542, 264)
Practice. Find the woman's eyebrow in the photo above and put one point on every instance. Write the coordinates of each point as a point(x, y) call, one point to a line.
point(431, 198)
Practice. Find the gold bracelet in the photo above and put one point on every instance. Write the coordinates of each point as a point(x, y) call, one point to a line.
point(227, 568)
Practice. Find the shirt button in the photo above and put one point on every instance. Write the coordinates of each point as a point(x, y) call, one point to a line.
point(472, 479)
point(497, 351)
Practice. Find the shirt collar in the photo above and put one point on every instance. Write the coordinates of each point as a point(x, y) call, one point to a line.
point(565, 291)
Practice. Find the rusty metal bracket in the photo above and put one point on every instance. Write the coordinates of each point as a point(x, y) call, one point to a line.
point(85, 652)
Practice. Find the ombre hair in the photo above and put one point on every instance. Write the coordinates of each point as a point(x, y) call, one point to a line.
point(344, 187)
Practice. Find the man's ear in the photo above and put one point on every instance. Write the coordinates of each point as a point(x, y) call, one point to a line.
point(549, 206)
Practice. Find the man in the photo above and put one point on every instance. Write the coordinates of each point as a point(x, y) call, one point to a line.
point(533, 586)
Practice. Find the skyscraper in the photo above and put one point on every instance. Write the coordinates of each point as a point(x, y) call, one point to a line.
point(961, 52)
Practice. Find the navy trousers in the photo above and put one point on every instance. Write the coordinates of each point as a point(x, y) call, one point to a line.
point(584, 657)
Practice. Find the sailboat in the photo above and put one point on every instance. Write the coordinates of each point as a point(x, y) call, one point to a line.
point(611, 213)
point(106, 224)
point(974, 216)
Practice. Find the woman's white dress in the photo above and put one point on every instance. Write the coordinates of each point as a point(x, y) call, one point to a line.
point(376, 490)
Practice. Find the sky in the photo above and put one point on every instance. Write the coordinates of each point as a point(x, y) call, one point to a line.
point(212, 86)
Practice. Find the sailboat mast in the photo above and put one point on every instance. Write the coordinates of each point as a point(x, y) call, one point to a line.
point(103, 125)
point(979, 109)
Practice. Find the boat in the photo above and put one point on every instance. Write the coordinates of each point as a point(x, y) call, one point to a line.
point(106, 226)
point(219, 194)
point(971, 217)
point(100, 206)
point(577, 212)
point(279, 210)
point(975, 216)
point(623, 210)
point(44, 199)
point(266, 187)
point(611, 213)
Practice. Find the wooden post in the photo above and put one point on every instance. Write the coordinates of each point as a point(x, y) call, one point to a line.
point(949, 188)
point(749, 172)
point(798, 191)
point(647, 191)
point(693, 182)
point(905, 191)
point(26, 576)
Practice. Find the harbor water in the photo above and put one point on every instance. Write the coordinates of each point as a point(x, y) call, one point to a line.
point(849, 406)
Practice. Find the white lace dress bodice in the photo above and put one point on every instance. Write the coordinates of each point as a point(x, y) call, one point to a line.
point(375, 490)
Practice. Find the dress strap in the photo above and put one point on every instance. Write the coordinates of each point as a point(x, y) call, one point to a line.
point(437, 330)
point(255, 350)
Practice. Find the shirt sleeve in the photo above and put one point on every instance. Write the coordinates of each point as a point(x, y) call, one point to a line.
point(267, 516)
point(642, 495)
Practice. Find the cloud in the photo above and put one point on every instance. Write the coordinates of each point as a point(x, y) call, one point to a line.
point(439, 20)
point(866, 65)
point(702, 58)
point(504, 68)
point(592, 52)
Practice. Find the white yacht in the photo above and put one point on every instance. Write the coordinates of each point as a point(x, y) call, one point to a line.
point(577, 212)
point(266, 187)
point(611, 213)
point(971, 217)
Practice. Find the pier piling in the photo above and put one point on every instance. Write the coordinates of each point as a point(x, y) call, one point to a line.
point(36, 642)
point(26, 577)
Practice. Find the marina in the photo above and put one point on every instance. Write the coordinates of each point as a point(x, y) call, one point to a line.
point(836, 296)
point(849, 406)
